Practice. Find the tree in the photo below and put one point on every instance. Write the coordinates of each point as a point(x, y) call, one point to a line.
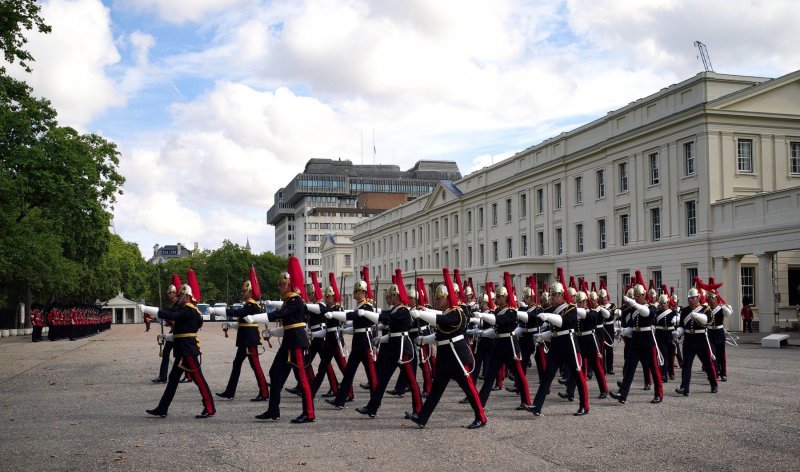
point(16, 15)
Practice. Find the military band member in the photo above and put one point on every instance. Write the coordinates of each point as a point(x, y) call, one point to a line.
point(248, 342)
point(454, 358)
point(692, 326)
point(186, 318)
point(718, 310)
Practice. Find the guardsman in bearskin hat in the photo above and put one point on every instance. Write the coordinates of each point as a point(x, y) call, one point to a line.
point(248, 340)
point(187, 319)
point(454, 360)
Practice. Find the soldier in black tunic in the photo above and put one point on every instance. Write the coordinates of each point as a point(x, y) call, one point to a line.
point(692, 323)
point(718, 310)
point(331, 348)
point(665, 326)
point(248, 341)
point(187, 319)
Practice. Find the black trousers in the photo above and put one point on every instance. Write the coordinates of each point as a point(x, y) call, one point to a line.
point(496, 361)
point(251, 353)
point(286, 360)
point(390, 362)
point(329, 353)
point(36, 335)
point(694, 345)
point(163, 370)
point(186, 364)
point(357, 357)
point(448, 369)
point(558, 356)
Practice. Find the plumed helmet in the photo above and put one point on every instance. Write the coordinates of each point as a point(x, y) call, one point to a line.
point(603, 293)
point(485, 298)
point(545, 297)
point(663, 299)
point(360, 286)
point(693, 292)
point(639, 290)
point(652, 293)
point(412, 293)
point(456, 289)
point(572, 292)
point(527, 292)
point(392, 290)
point(675, 298)
point(501, 292)
point(329, 291)
point(468, 291)
point(172, 289)
point(441, 291)
point(593, 296)
point(246, 287)
point(557, 287)
point(284, 277)
point(711, 295)
point(186, 290)
point(581, 296)
point(629, 293)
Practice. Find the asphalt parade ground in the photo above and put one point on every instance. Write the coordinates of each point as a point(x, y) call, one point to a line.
point(80, 405)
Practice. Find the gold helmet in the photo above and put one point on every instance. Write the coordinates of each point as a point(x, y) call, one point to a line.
point(246, 287)
point(485, 298)
point(652, 293)
point(663, 299)
point(392, 290)
point(629, 293)
point(527, 292)
point(556, 288)
point(693, 292)
point(468, 291)
point(638, 290)
point(545, 297)
point(329, 292)
point(187, 290)
point(172, 289)
point(284, 277)
point(412, 293)
point(501, 292)
point(593, 296)
point(711, 296)
point(360, 286)
point(603, 293)
point(581, 296)
point(572, 292)
point(456, 289)
point(441, 291)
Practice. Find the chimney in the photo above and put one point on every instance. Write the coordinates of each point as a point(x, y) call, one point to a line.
point(196, 246)
point(179, 249)
point(155, 250)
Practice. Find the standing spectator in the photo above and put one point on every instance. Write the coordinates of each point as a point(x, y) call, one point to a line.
point(747, 315)
point(147, 319)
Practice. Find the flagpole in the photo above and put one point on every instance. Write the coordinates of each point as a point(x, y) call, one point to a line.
point(374, 150)
point(362, 146)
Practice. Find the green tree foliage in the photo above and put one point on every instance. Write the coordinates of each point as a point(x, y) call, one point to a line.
point(16, 16)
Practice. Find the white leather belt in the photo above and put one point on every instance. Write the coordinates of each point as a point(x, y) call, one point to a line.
point(587, 333)
point(451, 340)
point(402, 333)
point(607, 323)
point(330, 330)
point(413, 330)
point(600, 326)
point(666, 328)
point(317, 326)
point(503, 335)
point(531, 330)
point(646, 328)
point(562, 333)
point(695, 331)
point(360, 330)
point(717, 327)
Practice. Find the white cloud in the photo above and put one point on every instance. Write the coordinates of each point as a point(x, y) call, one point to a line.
point(71, 61)
point(182, 11)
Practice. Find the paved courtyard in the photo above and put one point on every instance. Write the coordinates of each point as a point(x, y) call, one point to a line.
point(80, 406)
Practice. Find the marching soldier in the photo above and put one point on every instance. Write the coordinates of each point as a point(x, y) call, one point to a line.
point(563, 349)
point(716, 332)
point(692, 326)
point(187, 318)
point(172, 297)
point(331, 347)
point(454, 359)
point(361, 349)
point(590, 350)
point(665, 326)
point(397, 350)
point(608, 327)
point(248, 340)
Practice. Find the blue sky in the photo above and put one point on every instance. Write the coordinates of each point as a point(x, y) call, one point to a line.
point(215, 104)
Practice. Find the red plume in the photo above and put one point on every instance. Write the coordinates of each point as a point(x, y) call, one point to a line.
point(192, 278)
point(585, 286)
point(510, 287)
point(640, 279)
point(469, 282)
point(176, 281)
point(572, 282)
point(460, 284)
point(254, 283)
point(710, 287)
point(489, 292)
point(567, 296)
point(365, 276)
point(672, 304)
point(317, 288)
point(594, 287)
point(401, 287)
point(332, 279)
point(296, 278)
point(422, 295)
point(451, 293)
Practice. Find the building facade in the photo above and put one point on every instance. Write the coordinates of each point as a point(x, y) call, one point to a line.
point(700, 178)
point(164, 253)
point(331, 196)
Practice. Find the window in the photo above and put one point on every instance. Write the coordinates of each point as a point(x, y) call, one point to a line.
point(539, 201)
point(656, 276)
point(523, 243)
point(495, 252)
point(623, 230)
point(622, 168)
point(523, 201)
point(469, 256)
point(494, 214)
point(794, 158)
point(691, 273)
point(578, 190)
point(749, 283)
point(456, 258)
point(744, 153)
point(655, 224)
point(579, 238)
point(436, 230)
point(601, 184)
point(654, 178)
point(691, 218)
point(469, 221)
point(688, 159)
point(413, 237)
point(601, 234)
point(540, 243)
point(557, 191)
point(446, 227)
point(559, 242)
point(508, 210)
point(446, 259)
point(509, 244)
point(480, 219)
point(405, 240)
point(455, 225)
point(482, 255)
point(347, 260)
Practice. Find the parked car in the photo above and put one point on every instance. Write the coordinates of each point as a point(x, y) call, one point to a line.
point(204, 311)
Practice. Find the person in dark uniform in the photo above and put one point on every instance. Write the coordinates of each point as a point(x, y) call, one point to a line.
point(248, 341)
point(692, 326)
point(665, 326)
point(172, 296)
point(506, 350)
point(454, 360)
point(563, 319)
point(397, 350)
point(332, 348)
point(290, 355)
point(592, 359)
point(608, 328)
point(361, 348)
point(643, 346)
point(718, 310)
point(419, 358)
point(186, 318)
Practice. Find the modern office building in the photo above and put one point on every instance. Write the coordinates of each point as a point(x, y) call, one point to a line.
point(330, 196)
point(701, 178)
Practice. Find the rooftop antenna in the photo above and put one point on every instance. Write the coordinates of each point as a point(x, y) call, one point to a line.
point(704, 56)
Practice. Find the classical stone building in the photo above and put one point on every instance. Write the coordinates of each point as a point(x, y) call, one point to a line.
point(700, 178)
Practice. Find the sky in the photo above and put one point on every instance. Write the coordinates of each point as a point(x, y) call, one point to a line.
point(216, 104)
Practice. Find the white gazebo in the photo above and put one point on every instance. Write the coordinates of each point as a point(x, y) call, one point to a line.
point(124, 310)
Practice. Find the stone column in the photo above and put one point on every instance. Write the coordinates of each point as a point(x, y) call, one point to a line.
point(733, 291)
point(766, 299)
